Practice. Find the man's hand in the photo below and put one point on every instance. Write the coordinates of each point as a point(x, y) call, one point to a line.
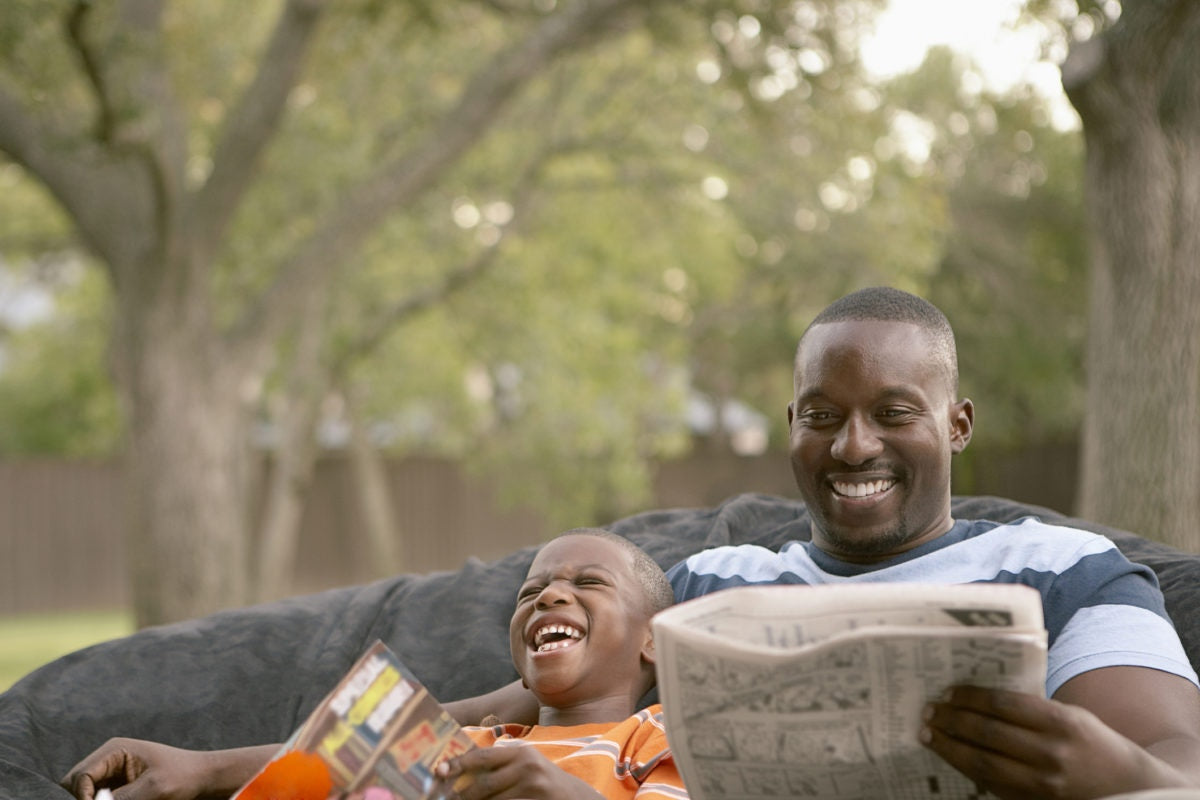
point(1023, 746)
point(505, 773)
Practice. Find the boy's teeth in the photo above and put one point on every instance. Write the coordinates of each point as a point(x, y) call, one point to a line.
point(570, 635)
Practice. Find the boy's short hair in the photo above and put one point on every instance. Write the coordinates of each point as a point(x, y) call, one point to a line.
point(655, 586)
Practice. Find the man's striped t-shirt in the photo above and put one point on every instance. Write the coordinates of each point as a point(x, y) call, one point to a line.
point(1101, 609)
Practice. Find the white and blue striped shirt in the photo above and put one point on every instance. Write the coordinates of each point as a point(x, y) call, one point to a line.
point(1101, 609)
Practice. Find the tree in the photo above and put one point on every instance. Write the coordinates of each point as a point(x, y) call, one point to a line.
point(157, 218)
point(154, 136)
point(1136, 86)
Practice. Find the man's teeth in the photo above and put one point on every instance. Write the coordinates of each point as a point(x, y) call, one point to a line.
point(862, 489)
point(564, 635)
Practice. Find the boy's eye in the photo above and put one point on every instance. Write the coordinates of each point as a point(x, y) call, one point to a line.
point(528, 591)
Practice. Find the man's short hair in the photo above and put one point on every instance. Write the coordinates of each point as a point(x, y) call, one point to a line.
point(885, 304)
point(655, 586)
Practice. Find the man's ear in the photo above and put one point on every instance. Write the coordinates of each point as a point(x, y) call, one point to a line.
point(791, 413)
point(962, 422)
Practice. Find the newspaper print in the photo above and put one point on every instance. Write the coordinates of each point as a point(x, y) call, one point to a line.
point(817, 692)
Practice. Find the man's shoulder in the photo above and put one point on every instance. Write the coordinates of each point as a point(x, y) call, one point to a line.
point(731, 557)
point(1034, 527)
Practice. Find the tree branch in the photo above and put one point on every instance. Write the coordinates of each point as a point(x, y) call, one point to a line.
point(405, 179)
point(1108, 74)
point(70, 177)
point(416, 302)
point(139, 140)
point(255, 120)
point(75, 23)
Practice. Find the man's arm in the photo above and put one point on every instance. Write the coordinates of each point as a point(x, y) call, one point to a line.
point(1110, 730)
point(512, 703)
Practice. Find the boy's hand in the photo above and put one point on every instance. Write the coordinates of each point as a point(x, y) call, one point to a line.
point(505, 773)
point(1022, 746)
point(139, 770)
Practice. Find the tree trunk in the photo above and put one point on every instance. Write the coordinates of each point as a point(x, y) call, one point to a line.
point(379, 516)
point(1137, 89)
point(189, 509)
point(294, 462)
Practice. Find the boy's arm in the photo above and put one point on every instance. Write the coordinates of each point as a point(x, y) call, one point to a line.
point(152, 770)
point(512, 703)
point(1110, 730)
point(513, 772)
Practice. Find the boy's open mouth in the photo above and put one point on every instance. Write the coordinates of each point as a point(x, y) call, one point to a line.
point(555, 637)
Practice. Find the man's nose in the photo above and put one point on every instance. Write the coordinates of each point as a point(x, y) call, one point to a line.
point(856, 441)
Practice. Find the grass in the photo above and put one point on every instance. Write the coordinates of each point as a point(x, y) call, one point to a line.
point(28, 641)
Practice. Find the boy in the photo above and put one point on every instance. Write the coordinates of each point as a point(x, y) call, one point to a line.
point(580, 639)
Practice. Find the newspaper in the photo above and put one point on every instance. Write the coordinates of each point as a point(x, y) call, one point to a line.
point(378, 734)
point(799, 691)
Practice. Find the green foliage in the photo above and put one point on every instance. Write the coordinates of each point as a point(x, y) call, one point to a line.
point(55, 394)
point(683, 199)
point(1012, 275)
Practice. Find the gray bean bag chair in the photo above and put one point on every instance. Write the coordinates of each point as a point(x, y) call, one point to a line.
point(250, 676)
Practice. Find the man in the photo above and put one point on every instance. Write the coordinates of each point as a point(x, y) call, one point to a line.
point(874, 423)
point(581, 641)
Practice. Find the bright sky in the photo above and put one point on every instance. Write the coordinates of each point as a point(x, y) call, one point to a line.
point(982, 29)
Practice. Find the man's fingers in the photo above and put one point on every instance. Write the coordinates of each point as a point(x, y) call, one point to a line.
point(981, 732)
point(1015, 708)
point(990, 770)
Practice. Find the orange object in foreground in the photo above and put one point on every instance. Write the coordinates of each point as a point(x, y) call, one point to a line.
point(296, 775)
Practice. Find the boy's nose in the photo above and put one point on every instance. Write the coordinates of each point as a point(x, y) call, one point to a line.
point(554, 594)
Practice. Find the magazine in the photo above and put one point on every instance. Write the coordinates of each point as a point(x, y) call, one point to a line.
point(817, 691)
point(379, 734)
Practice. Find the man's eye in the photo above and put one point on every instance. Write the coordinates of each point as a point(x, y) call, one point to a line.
point(816, 416)
point(587, 580)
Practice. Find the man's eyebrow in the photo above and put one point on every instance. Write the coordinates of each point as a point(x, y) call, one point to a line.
point(810, 395)
point(887, 393)
point(903, 393)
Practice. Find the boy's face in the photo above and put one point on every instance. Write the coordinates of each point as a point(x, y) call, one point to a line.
point(580, 633)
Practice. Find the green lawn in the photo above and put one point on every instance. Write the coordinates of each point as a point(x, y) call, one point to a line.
point(28, 641)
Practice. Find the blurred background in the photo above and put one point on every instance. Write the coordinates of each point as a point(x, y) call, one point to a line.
point(301, 294)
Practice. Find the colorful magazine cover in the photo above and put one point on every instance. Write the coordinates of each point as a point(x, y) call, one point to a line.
point(377, 736)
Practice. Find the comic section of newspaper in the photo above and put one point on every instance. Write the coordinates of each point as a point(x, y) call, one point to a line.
point(799, 691)
point(378, 734)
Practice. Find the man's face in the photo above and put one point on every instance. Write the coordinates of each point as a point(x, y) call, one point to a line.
point(874, 424)
point(580, 632)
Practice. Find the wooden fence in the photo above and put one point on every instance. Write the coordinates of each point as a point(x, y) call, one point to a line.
point(62, 522)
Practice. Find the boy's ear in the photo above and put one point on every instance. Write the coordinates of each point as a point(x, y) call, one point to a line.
point(648, 647)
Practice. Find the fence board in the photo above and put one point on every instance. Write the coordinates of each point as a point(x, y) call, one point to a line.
point(62, 522)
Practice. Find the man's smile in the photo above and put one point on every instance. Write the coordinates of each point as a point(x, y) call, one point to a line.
point(860, 489)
